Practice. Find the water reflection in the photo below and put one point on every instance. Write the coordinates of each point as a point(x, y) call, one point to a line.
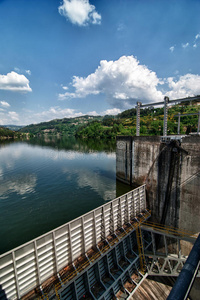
point(100, 182)
point(21, 185)
point(44, 184)
point(71, 143)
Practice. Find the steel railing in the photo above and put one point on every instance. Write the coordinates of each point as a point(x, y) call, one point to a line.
point(28, 266)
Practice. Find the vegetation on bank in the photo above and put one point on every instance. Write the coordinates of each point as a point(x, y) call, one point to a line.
point(90, 127)
point(66, 126)
point(151, 122)
point(6, 133)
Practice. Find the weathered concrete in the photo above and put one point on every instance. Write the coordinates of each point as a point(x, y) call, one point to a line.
point(172, 174)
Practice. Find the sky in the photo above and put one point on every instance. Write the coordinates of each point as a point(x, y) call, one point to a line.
point(68, 58)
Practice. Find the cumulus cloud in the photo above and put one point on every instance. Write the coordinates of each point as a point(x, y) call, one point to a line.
point(79, 12)
point(186, 86)
point(14, 82)
point(4, 104)
point(92, 113)
point(8, 117)
point(112, 111)
point(57, 113)
point(172, 48)
point(13, 116)
point(122, 81)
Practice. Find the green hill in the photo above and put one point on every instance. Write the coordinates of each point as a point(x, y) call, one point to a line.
point(66, 126)
point(151, 122)
point(7, 133)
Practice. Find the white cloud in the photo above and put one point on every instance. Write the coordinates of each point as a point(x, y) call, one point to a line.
point(121, 27)
point(92, 113)
point(25, 118)
point(9, 118)
point(13, 116)
point(187, 86)
point(4, 104)
point(123, 81)
point(17, 69)
point(172, 48)
point(68, 95)
point(56, 113)
point(14, 82)
point(79, 12)
point(197, 36)
point(195, 46)
point(112, 111)
point(185, 45)
point(28, 72)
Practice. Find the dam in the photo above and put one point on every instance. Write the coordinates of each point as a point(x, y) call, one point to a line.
point(104, 254)
point(108, 253)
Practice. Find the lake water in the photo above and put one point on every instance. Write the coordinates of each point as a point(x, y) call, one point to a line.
point(45, 183)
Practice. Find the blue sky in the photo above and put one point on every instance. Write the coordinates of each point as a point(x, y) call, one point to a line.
point(74, 57)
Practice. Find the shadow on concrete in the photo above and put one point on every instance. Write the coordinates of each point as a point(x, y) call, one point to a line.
point(2, 294)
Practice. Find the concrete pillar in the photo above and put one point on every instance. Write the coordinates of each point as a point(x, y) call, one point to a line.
point(138, 119)
point(166, 99)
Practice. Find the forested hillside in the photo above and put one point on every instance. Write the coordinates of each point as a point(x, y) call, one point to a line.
point(7, 133)
point(90, 127)
point(151, 122)
point(66, 126)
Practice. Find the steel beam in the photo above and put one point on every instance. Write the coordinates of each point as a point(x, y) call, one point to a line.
point(138, 119)
point(166, 100)
point(172, 101)
point(185, 280)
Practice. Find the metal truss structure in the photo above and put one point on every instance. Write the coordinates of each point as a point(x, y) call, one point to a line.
point(165, 257)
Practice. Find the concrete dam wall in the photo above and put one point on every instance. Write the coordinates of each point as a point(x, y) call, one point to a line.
point(171, 173)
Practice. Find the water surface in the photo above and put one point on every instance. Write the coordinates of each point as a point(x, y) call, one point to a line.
point(45, 183)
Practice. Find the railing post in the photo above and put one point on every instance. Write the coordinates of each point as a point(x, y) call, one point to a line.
point(83, 237)
point(94, 227)
point(16, 275)
point(55, 251)
point(179, 117)
point(138, 119)
point(37, 263)
point(166, 99)
point(70, 243)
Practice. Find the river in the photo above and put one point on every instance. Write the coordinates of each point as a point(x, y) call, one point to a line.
point(47, 182)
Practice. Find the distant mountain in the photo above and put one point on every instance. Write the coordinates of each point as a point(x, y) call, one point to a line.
point(13, 127)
